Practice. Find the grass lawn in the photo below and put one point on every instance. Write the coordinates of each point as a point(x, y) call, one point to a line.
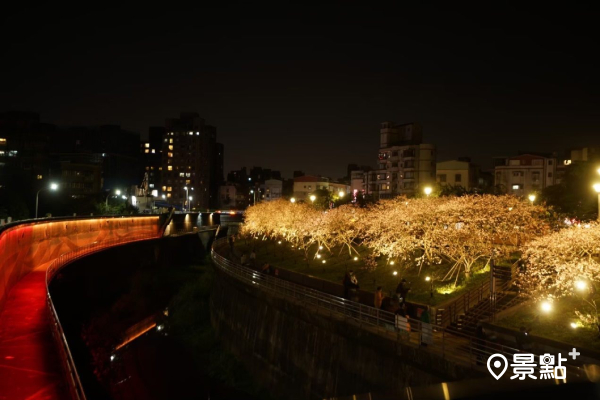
point(336, 264)
point(555, 325)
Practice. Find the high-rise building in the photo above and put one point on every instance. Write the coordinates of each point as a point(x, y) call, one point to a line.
point(151, 157)
point(192, 159)
point(404, 163)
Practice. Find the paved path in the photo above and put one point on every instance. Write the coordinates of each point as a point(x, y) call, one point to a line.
point(30, 366)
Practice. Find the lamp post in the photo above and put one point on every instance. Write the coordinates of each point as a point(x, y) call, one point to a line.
point(253, 193)
point(53, 186)
point(428, 279)
point(597, 189)
point(190, 203)
point(186, 195)
point(313, 198)
point(532, 198)
point(341, 194)
point(428, 190)
point(117, 192)
point(293, 199)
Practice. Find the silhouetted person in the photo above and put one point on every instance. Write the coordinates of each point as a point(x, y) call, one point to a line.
point(402, 290)
point(378, 300)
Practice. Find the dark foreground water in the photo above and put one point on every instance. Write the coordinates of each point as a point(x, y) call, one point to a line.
point(155, 366)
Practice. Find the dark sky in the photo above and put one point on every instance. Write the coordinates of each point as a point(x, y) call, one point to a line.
point(300, 87)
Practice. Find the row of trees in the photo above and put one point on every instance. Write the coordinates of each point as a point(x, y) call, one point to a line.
point(456, 230)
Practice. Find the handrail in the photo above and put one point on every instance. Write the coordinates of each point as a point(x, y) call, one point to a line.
point(75, 386)
point(463, 349)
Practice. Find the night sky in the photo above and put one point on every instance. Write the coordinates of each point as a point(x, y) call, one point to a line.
point(306, 88)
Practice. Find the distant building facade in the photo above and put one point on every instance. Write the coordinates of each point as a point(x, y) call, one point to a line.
point(272, 189)
point(192, 158)
point(151, 157)
point(460, 172)
point(526, 173)
point(305, 186)
point(404, 163)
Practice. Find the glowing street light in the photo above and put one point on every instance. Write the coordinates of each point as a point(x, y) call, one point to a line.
point(573, 325)
point(53, 186)
point(293, 200)
point(117, 192)
point(355, 258)
point(428, 190)
point(546, 306)
point(581, 285)
point(395, 273)
point(341, 193)
point(312, 198)
point(532, 198)
point(428, 279)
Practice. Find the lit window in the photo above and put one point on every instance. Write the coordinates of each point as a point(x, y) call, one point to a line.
point(181, 174)
point(191, 133)
point(187, 181)
point(39, 177)
point(515, 187)
point(168, 195)
point(12, 153)
point(169, 188)
point(164, 188)
point(147, 168)
point(187, 174)
point(170, 154)
point(2, 153)
point(170, 168)
point(170, 147)
point(151, 185)
point(146, 151)
point(153, 151)
point(147, 145)
point(2, 140)
point(170, 140)
point(197, 133)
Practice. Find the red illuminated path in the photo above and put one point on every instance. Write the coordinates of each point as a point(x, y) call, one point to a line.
point(30, 366)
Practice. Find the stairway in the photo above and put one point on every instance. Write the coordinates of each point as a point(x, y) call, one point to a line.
point(485, 310)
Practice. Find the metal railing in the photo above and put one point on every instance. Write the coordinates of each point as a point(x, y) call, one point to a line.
point(75, 386)
point(463, 349)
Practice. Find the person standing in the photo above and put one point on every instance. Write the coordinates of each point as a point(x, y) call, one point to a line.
point(378, 301)
point(426, 331)
point(402, 290)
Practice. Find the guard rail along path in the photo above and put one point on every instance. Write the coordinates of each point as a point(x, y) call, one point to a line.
point(463, 349)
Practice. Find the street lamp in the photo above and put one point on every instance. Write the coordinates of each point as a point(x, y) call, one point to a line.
point(186, 194)
point(341, 194)
point(532, 198)
point(53, 186)
point(117, 192)
point(428, 190)
point(428, 279)
point(252, 192)
point(313, 198)
point(293, 200)
point(190, 203)
point(597, 189)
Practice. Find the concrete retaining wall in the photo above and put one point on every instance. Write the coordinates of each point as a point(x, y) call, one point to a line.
point(297, 353)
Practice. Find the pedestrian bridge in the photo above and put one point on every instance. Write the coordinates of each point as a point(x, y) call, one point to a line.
point(32, 346)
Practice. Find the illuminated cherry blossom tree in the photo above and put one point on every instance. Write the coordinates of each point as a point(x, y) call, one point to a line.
point(564, 263)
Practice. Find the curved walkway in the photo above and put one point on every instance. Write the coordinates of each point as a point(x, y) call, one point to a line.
point(31, 366)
